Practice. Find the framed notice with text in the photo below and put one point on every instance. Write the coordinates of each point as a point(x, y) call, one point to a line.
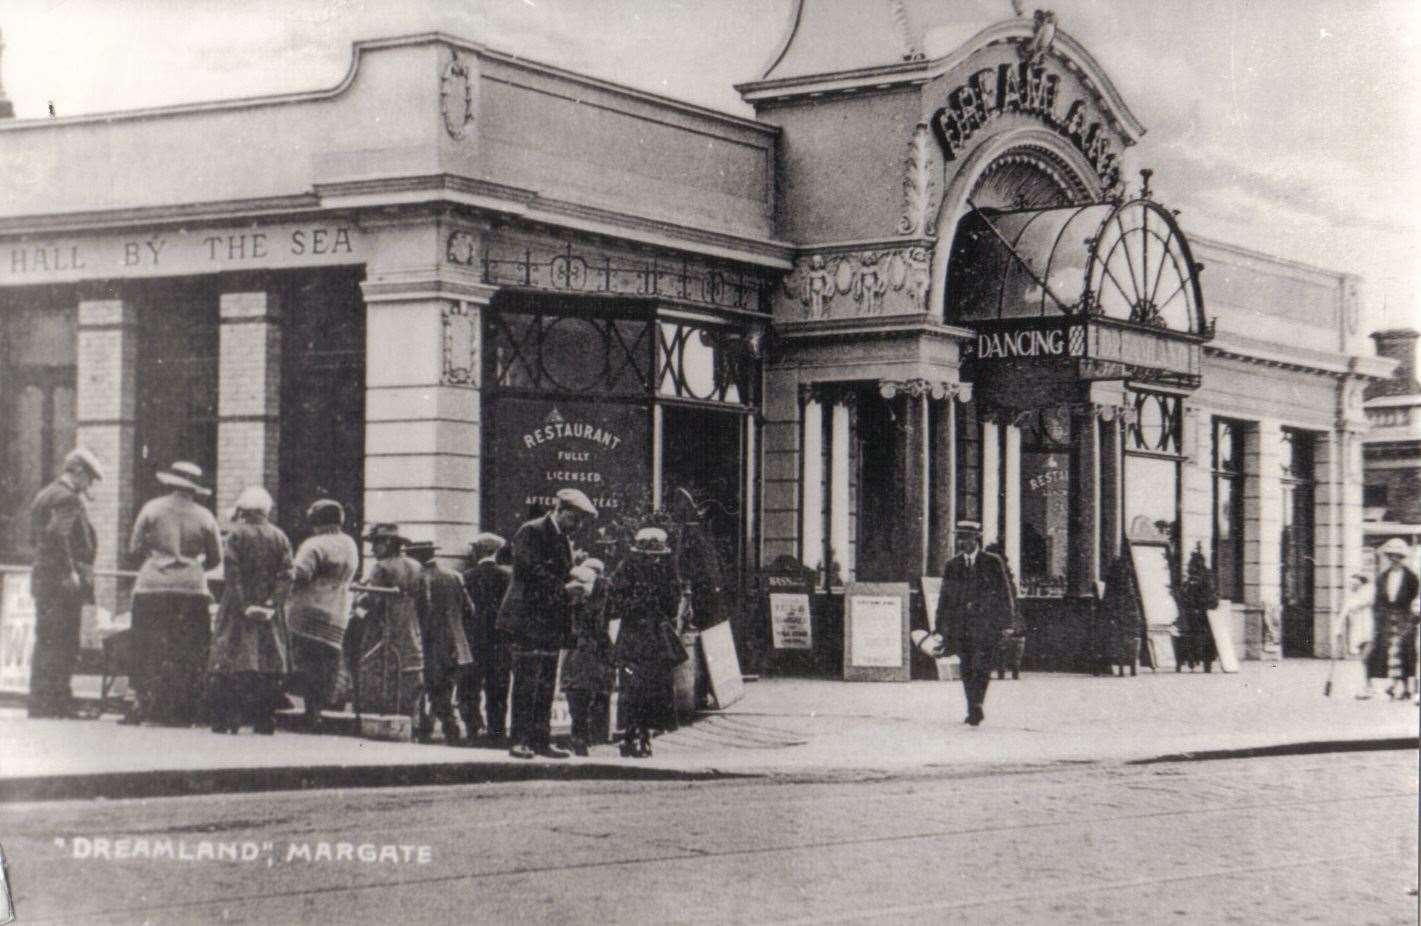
point(876, 632)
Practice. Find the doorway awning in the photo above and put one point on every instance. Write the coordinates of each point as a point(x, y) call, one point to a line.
point(1115, 282)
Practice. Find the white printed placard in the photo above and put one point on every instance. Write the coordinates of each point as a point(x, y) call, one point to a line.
point(878, 631)
point(789, 621)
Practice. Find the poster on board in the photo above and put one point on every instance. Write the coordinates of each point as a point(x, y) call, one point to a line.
point(876, 631)
point(17, 632)
point(789, 621)
point(1155, 586)
point(1220, 619)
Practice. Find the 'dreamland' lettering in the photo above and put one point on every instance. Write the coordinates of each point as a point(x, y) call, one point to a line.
point(577, 429)
point(1021, 344)
point(1021, 88)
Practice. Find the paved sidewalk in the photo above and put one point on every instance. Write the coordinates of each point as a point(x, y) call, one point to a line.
point(787, 727)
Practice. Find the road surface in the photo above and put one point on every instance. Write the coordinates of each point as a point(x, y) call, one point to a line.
point(1313, 839)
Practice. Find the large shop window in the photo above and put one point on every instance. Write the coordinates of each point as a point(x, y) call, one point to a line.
point(1228, 507)
point(177, 378)
point(637, 406)
point(37, 361)
point(1297, 458)
point(1045, 489)
point(1152, 455)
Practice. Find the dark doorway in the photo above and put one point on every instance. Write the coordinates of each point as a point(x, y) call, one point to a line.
point(702, 454)
point(1297, 542)
point(322, 397)
point(177, 379)
point(37, 351)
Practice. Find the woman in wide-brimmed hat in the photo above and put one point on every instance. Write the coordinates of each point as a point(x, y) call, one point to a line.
point(1393, 653)
point(250, 646)
point(179, 541)
point(646, 596)
point(319, 608)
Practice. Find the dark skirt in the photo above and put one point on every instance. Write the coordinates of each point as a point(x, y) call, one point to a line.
point(171, 636)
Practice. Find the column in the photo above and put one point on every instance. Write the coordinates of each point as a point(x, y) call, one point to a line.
point(1011, 497)
point(248, 395)
point(1262, 528)
point(1083, 505)
point(422, 416)
point(811, 511)
point(106, 410)
point(780, 456)
point(991, 480)
point(840, 512)
point(943, 487)
point(1196, 511)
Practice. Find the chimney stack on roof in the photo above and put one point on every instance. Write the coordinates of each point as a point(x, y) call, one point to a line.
point(1397, 344)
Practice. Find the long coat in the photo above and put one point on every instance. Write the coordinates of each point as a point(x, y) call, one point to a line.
point(977, 603)
point(319, 607)
point(1393, 652)
point(64, 541)
point(391, 657)
point(487, 583)
point(443, 607)
point(256, 570)
point(536, 612)
point(589, 666)
point(646, 596)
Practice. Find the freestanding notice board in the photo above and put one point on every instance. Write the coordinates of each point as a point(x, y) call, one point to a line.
point(876, 632)
point(1156, 589)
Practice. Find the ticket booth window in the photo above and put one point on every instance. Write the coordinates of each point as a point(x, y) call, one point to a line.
point(1228, 507)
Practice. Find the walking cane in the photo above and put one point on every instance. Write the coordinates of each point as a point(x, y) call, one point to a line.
point(1331, 667)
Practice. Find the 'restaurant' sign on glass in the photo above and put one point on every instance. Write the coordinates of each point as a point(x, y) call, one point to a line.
point(542, 445)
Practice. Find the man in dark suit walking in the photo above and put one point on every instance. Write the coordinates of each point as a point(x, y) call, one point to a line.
point(537, 615)
point(976, 611)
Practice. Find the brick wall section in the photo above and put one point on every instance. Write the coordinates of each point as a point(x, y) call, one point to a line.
point(249, 395)
point(105, 403)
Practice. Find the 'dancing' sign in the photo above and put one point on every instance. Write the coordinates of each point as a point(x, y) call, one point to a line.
point(1022, 87)
point(1027, 342)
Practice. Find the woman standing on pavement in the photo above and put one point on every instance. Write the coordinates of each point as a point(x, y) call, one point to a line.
point(179, 541)
point(249, 649)
point(646, 595)
point(319, 607)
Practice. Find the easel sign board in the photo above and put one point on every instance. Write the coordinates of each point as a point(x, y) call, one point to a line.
point(1152, 580)
point(1223, 637)
point(722, 665)
point(876, 632)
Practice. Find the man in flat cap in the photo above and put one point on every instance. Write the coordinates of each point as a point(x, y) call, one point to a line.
point(536, 613)
point(486, 582)
point(62, 581)
point(976, 611)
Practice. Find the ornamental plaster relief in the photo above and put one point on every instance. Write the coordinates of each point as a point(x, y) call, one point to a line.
point(871, 282)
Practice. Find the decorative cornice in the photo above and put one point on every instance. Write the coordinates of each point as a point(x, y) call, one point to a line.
point(293, 208)
point(920, 388)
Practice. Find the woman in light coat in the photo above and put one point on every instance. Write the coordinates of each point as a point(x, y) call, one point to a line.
point(250, 646)
point(319, 608)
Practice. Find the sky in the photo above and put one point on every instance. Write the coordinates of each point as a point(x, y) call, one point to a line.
point(1286, 126)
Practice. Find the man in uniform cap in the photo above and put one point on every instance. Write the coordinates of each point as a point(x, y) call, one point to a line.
point(976, 610)
point(62, 581)
point(536, 613)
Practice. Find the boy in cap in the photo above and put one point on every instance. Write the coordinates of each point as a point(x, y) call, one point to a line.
point(62, 581)
point(388, 653)
point(536, 614)
point(443, 609)
point(486, 582)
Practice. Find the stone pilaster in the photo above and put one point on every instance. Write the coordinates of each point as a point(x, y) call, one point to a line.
point(1262, 520)
point(249, 395)
point(1196, 510)
point(780, 465)
point(423, 373)
point(105, 402)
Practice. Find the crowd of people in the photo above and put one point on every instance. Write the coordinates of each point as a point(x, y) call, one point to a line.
point(412, 637)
